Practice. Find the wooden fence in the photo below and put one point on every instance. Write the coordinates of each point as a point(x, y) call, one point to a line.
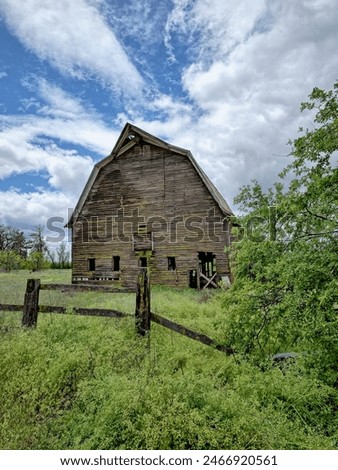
point(143, 314)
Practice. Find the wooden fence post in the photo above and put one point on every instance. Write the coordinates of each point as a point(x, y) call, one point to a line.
point(31, 303)
point(142, 311)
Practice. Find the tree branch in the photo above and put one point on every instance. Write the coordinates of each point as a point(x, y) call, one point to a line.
point(318, 215)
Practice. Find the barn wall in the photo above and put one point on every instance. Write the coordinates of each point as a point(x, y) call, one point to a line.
point(162, 188)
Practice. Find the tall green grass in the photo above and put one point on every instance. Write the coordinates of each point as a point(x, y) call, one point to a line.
point(91, 383)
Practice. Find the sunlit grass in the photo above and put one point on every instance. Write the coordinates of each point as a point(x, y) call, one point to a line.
point(90, 383)
point(196, 310)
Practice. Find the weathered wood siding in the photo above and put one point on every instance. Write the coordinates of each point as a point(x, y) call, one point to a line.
point(161, 186)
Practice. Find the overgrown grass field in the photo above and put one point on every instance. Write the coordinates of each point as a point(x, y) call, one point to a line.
point(90, 383)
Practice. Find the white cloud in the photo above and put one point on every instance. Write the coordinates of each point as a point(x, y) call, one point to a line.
point(250, 89)
point(75, 38)
point(141, 20)
point(28, 141)
point(58, 103)
point(35, 143)
point(169, 107)
point(294, 52)
point(212, 28)
point(67, 171)
point(61, 116)
point(25, 210)
point(177, 22)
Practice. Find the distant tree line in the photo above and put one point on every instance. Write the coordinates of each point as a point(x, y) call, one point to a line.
point(20, 251)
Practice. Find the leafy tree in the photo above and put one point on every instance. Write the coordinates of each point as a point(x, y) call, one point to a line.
point(36, 261)
point(37, 250)
point(37, 243)
point(10, 260)
point(13, 248)
point(285, 288)
point(12, 239)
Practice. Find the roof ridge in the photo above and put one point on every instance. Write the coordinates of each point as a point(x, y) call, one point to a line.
point(128, 127)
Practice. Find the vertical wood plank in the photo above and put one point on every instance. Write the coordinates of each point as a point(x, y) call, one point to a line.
point(31, 303)
point(142, 311)
point(198, 274)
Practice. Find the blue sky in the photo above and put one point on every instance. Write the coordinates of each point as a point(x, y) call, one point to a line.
point(222, 78)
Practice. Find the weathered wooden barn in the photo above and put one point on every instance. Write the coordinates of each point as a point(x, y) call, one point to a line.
point(150, 204)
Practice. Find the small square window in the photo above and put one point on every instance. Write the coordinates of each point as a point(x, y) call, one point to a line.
point(91, 264)
point(142, 229)
point(116, 263)
point(143, 262)
point(171, 263)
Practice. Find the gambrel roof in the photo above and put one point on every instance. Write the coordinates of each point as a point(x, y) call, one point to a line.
point(129, 137)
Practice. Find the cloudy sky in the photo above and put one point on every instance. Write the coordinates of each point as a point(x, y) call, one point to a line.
point(223, 78)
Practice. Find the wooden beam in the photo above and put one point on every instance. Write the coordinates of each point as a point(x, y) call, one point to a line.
point(85, 288)
point(88, 312)
point(210, 281)
point(198, 279)
point(11, 308)
point(191, 334)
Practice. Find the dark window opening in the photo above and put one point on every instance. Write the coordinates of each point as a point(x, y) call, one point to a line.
point(171, 263)
point(142, 229)
point(193, 279)
point(207, 269)
point(143, 262)
point(207, 262)
point(116, 263)
point(91, 264)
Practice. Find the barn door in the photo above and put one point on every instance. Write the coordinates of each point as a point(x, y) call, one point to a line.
point(207, 269)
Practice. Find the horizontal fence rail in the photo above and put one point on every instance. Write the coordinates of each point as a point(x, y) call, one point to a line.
point(95, 312)
point(88, 312)
point(183, 330)
point(143, 315)
point(11, 308)
point(86, 288)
